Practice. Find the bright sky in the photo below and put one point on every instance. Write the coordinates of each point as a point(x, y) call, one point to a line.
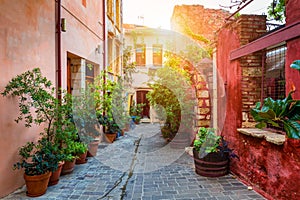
point(157, 13)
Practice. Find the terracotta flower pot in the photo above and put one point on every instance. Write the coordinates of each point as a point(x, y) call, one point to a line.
point(92, 148)
point(111, 137)
point(54, 178)
point(68, 167)
point(81, 158)
point(127, 127)
point(37, 185)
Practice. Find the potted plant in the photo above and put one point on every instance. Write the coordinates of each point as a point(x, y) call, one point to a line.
point(282, 114)
point(39, 162)
point(85, 118)
point(211, 154)
point(81, 152)
point(136, 111)
point(70, 159)
point(38, 105)
point(112, 129)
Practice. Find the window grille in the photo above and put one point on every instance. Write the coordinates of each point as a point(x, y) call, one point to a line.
point(274, 74)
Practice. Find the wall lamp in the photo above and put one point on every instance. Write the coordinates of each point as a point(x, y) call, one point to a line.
point(63, 25)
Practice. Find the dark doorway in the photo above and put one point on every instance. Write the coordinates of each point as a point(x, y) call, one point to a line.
point(141, 98)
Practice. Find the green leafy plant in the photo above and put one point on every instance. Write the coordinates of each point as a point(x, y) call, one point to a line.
point(38, 158)
point(136, 109)
point(38, 105)
point(104, 89)
point(296, 65)
point(80, 148)
point(84, 115)
point(207, 141)
point(207, 135)
point(169, 96)
point(276, 10)
point(120, 104)
point(277, 112)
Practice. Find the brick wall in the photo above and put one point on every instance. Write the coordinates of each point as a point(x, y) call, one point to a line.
point(249, 28)
point(196, 19)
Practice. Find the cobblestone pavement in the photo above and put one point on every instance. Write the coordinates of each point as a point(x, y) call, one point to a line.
point(140, 165)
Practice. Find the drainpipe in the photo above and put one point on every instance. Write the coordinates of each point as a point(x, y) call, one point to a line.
point(104, 36)
point(58, 69)
point(104, 52)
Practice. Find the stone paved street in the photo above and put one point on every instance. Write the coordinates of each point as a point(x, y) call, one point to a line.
point(140, 165)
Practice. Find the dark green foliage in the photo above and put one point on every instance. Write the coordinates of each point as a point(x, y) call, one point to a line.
point(170, 96)
point(38, 105)
point(161, 95)
point(84, 115)
point(136, 111)
point(275, 112)
point(296, 65)
point(39, 158)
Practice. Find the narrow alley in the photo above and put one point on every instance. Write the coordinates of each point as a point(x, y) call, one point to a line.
point(140, 165)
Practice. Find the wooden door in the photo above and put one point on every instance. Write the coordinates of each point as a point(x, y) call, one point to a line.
point(69, 76)
point(141, 98)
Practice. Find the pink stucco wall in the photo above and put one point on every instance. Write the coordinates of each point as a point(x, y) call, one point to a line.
point(84, 32)
point(26, 41)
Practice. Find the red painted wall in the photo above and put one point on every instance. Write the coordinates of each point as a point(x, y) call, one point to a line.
point(230, 72)
point(293, 48)
point(271, 169)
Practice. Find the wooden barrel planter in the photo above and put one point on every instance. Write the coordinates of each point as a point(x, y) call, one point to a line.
point(212, 165)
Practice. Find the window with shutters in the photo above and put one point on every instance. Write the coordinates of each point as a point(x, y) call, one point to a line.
point(140, 55)
point(157, 54)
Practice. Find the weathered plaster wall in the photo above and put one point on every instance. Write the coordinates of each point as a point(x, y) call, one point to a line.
point(27, 41)
point(230, 73)
point(271, 169)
